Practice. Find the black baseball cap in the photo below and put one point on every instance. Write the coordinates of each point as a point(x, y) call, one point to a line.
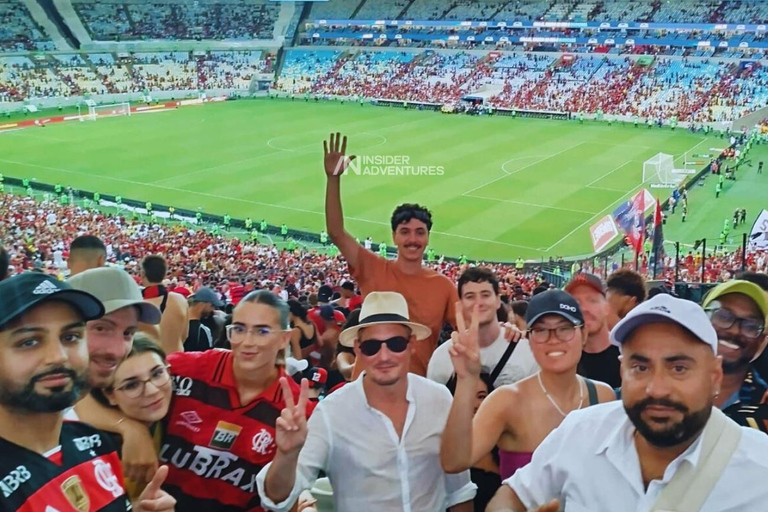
point(207, 295)
point(554, 302)
point(23, 292)
point(324, 294)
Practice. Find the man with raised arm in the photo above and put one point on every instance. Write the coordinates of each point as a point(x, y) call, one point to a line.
point(430, 295)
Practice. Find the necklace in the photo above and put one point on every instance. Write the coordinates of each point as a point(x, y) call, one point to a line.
point(552, 401)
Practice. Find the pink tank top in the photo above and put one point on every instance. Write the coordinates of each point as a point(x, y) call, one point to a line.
point(509, 462)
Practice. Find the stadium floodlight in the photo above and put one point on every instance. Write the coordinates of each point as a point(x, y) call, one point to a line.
point(659, 172)
point(115, 109)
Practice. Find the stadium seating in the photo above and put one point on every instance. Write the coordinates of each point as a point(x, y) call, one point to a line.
point(254, 19)
point(18, 31)
point(76, 74)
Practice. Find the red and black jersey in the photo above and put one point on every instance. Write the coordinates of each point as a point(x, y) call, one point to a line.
point(82, 475)
point(213, 446)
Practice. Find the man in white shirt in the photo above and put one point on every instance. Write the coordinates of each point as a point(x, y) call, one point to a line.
point(378, 437)
point(664, 447)
point(479, 286)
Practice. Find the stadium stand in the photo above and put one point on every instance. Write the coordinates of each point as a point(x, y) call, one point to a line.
point(179, 20)
point(18, 31)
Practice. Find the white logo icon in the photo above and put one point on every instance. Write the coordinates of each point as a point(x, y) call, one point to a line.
point(262, 442)
point(183, 386)
point(569, 308)
point(106, 478)
point(45, 288)
point(190, 420)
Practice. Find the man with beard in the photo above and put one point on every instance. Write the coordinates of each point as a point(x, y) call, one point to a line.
point(48, 464)
point(664, 446)
point(431, 296)
point(737, 310)
point(599, 359)
point(202, 305)
point(110, 338)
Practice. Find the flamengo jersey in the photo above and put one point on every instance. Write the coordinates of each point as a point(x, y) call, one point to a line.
point(88, 479)
point(213, 447)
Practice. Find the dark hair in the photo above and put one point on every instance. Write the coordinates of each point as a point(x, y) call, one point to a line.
point(296, 309)
point(758, 278)
point(142, 344)
point(154, 267)
point(5, 261)
point(479, 275)
point(409, 211)
point(352, 320)
point(520, 307)
point(502, 314)
point(87, 242)
point(485, 377)
point(629, 283)
point(269, 299)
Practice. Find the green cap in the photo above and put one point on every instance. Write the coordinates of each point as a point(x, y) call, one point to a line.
point(748, 288)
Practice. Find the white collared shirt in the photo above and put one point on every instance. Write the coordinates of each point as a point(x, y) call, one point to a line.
point(369, 467)
point(590, 464)
point(521, 363)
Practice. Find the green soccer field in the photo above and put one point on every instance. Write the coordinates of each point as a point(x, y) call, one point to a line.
point(509, 187)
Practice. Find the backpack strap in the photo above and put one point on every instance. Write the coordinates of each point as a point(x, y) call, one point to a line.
point(511, 346)
point(591, 392)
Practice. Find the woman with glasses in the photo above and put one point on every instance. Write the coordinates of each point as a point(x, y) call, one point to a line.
point(220, 430)
point(518, 417)
point(142, 390)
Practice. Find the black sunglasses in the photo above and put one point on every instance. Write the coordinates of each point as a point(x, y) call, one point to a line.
point(396, 344)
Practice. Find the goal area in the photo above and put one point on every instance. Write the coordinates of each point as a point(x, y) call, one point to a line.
point(111, 110)
point(659, 172)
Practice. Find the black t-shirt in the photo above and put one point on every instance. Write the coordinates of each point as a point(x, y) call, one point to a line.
point(199, 338)
point(84, 474)
point(603, 366)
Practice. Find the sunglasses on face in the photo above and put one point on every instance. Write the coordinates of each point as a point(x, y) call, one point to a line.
point(371, 347)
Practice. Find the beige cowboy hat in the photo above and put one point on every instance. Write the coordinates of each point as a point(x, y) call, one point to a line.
point(383, 308)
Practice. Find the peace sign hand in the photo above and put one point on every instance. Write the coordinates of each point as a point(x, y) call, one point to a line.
point(334, 152)
point(465, 349)
point(291, 426)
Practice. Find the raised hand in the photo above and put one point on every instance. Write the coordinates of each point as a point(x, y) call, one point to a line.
point(334, 152)
point(153, 498)
point(291, 426)
point(465, 349)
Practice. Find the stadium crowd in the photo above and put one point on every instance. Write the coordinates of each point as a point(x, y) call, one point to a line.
point(401, 386)
point(75, 75)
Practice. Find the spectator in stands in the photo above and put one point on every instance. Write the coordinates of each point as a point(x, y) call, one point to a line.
point(383, 426)
point(5, 261)
point(202, 306)
point(345, 356)
point(738, 311)
point(625, 289)
point(485, 472)
point(174, 326)
point(666, 421)
point(43, 367)
point(349, 300)
point(142, 390)
point(518, 417)
point(506, 362)
point(110, 339)
point(86, 252)
point(600, 359)
point(304, 338)
point(761, 280)
point(431, 296)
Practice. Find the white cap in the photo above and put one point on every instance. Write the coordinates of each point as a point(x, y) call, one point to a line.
point(664, 308)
